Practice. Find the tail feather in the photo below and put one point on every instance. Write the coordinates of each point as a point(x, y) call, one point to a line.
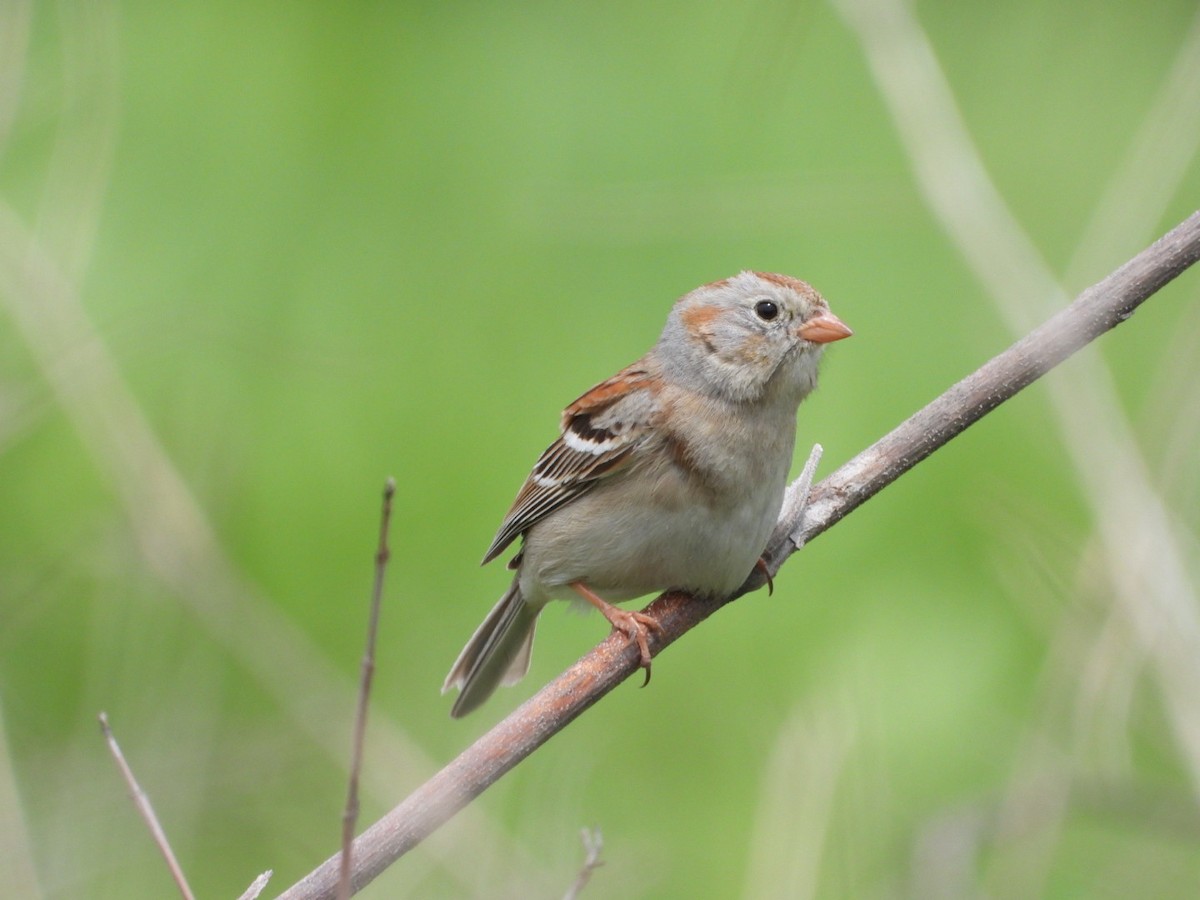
point(497, 653)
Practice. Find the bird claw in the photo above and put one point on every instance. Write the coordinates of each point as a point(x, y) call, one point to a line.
point(761, 565)
point(634, 625)
point(637, 625)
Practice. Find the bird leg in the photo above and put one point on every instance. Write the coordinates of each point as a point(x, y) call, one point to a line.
point(633, 625)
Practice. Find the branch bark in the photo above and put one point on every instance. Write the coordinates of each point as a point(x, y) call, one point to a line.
point(1095, 311)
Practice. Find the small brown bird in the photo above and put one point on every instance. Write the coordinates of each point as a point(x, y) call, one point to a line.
point(669, 475)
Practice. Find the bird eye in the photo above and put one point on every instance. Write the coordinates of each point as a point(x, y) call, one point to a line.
point(766, 310)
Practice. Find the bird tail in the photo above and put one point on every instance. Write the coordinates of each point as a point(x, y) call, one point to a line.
point(497, 653)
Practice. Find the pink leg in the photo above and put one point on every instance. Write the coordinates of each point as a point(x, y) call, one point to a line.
point(633, 625)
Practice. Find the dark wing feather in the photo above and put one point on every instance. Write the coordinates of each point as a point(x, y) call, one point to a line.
point(600, 430)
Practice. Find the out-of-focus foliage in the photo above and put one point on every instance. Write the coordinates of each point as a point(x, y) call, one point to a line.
point(256, 257)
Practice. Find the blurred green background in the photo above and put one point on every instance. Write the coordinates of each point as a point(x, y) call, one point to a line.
point(255, 257)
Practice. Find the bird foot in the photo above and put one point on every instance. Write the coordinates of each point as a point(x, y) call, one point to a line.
point(634, 625)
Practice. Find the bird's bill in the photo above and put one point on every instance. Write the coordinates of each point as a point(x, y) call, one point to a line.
point(824, 329)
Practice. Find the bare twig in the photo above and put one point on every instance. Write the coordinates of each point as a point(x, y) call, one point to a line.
point(593, 846)
point(350, 816)
point(794, 501)
point(142, 802)
point(1095, 311)
point(257, 886)
point(177, 540)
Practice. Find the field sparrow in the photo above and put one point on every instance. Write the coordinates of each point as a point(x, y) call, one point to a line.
point(669, 475)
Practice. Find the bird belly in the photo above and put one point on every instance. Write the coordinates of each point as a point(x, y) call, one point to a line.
point(641, 536)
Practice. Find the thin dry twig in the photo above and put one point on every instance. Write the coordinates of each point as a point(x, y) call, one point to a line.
point(1098, 309)
point(593, 846)
point(142, 802)
point(257, 886)
point(178, 542)
point(350, 816)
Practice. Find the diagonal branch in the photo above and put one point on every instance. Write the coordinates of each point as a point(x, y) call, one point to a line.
point(1095, 311)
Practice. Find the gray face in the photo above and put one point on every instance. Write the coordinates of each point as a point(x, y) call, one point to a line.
point(740, 339)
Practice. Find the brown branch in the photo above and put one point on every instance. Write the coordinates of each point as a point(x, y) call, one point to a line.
point(142, 802)
point(350, 816)
point(1095, 311)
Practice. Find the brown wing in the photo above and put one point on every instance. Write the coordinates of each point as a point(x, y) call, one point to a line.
point(600, 431)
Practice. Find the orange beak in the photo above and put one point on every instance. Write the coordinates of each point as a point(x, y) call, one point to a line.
point(824, 329)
